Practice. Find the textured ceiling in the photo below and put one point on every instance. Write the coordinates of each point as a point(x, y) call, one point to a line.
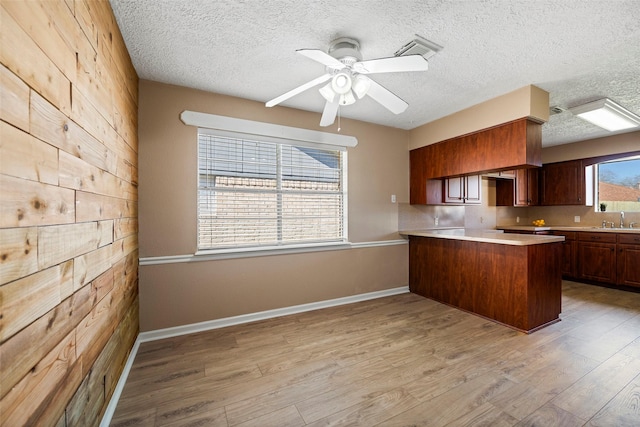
point(577, 50)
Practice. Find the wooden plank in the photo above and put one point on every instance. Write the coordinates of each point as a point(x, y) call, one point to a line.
point(77, 174)
point(94, 331)
point(91, 207)
point(25, 300)
point(124, 227)
point(103, 284)
point(85, 22)
point(26, 203)
point(23, 156)
point(34, 20)
point(25, 402)
point(89, 266)
point(22, 356)
point(85, 114)
point(23, 57)
point(14, 93)
point(18, 253)
point(94, 83)
point(52, 126)
point(60, 243)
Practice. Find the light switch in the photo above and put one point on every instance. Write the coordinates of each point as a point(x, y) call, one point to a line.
point(393, 198)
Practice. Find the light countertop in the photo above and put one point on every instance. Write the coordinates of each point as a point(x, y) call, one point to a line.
point(486, 236)
point(568, 228)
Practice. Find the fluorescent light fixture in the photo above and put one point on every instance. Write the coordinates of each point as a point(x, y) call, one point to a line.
point(607, 114)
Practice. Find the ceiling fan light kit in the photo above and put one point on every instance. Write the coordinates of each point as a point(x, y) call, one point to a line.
point(347, 78)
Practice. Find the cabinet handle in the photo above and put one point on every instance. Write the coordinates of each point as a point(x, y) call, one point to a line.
point(595, 237)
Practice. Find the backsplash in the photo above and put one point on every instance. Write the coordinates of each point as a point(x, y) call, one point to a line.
point(562, 216)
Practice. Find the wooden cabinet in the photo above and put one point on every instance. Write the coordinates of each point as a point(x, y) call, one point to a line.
point(628, 260)
point(526, 187)
point(569, 253)
point(597, 257)
point(562, 183)
point(463, 190)
point(522, 190)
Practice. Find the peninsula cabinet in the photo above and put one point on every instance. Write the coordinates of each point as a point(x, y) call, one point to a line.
point(463, 190)
point(562, 183)
point(628, 260)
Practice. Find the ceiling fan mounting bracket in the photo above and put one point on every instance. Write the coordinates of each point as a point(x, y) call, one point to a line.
point(346, 50)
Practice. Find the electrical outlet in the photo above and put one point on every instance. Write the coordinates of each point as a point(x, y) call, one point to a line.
point(436, 220)
point(576, 218)
point(393, 198)
point(517, 220)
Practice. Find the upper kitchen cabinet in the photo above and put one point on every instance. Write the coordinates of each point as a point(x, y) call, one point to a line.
point(522, 190)
point(463, 190)
point(563, 183)
point(512, 145)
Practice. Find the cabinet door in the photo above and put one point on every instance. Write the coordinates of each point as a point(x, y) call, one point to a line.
point(562, 183)
point(569, 258)
point(473, 189)
point(629, 259)
point(526, 187)
point(454, 190)
point(597, 261)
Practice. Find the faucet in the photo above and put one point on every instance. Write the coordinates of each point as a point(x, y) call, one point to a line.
point(632, 224)
point(621, 219)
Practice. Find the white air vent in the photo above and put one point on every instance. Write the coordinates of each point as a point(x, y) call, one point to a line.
point(555, 110)
point(419, 46)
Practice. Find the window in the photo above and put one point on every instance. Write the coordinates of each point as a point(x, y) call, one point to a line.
point(618, 185)
point(254, 193)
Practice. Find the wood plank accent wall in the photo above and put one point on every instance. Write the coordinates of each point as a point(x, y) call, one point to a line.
point(68, 210)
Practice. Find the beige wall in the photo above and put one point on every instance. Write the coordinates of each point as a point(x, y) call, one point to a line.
point(529, 101)
point(68, 204)
point(622, 143)
point(377, 168)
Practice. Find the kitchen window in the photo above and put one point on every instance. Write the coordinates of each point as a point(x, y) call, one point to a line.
point(258, 192)
point(618, 185)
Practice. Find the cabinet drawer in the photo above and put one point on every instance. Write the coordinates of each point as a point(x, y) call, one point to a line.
point(597, 237)
point(629, 239)
point(568, 235)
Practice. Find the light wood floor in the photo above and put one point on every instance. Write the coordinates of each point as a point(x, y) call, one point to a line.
point(398, 361)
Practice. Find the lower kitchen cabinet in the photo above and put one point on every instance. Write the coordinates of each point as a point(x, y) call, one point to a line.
point(569, 253)
point(628, 260)
point(608, 258)
point(597, 261)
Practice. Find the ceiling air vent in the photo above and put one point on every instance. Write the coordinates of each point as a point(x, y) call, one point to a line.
point(419, 46)
point(555, 110)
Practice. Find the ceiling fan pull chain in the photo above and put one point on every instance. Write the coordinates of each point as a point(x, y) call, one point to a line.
point(338, 118)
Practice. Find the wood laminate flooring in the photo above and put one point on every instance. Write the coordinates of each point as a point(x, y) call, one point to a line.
point(397, 361)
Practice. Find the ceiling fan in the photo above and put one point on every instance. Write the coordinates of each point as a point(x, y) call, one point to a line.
point(346, 74)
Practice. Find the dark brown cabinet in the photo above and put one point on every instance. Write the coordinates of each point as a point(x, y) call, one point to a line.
point(562, 183)
point(526, 187)
point(569, 253)
point(464, 189)
point(628, 260)
point(522, 190)
point(604, 257)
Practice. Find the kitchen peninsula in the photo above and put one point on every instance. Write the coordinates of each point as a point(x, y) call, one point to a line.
point(513, 279)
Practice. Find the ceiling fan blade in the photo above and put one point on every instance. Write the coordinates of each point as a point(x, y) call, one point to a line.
point(275, 101)
point(329, 114)
point(396, 64)
point(386, 98)
point(322, 57)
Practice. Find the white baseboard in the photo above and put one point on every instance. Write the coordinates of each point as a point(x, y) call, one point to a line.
point(159, 334)
point(229, 321)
